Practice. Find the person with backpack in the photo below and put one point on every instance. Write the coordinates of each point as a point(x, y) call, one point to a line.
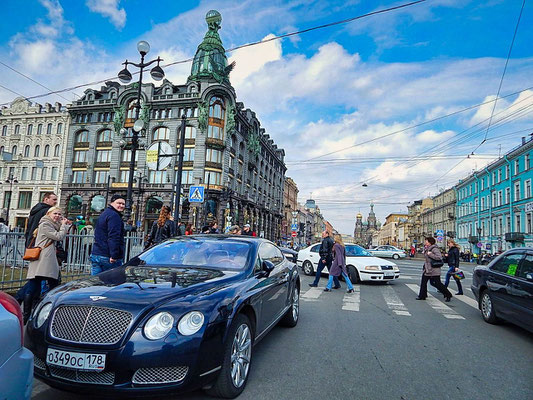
point(162, 229)
point(338, 265)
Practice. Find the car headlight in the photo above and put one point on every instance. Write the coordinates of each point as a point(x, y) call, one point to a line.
point(373, 268)
point(191, 323)
point(396, 268)
point(158, 326)
point(44, 312)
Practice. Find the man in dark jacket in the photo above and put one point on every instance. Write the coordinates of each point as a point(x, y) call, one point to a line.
point(326, 257)
point(37, 212)
point(109, 233)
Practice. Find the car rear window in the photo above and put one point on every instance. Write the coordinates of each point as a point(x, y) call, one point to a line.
point(222, 254)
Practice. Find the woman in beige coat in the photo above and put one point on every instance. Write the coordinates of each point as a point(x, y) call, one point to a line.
point(52, 228)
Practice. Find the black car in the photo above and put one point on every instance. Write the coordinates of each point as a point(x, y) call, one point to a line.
point(504, 288)
point(182, 315)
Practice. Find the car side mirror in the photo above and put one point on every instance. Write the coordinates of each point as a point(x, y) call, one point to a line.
point(267, 267)
point(529, 277)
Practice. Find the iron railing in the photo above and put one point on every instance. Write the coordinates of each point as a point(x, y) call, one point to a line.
point(13, 268)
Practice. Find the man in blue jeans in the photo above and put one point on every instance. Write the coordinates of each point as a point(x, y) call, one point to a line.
point(326, 257)
point(109, 233)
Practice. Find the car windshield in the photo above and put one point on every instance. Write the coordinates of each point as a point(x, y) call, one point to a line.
point(356, 251)
point(221, 253)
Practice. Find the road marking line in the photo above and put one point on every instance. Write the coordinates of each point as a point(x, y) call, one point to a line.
point(394, 302)
point(351, 301)
point(313, 293)
point(467, 300)
point(437, 305)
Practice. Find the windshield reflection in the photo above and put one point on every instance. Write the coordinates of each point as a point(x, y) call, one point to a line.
point(356, 251)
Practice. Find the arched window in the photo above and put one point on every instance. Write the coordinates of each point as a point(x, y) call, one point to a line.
point(59, 128)
point(27, 151)
point(49, 129)
point(4, 130)
point(1, 149)
point(161, 133)
point(56, 150)
point(105, 135)
point(37, 151)
point(112, 95)
point(132, 109)
point(29, 130)
point(217, 110)
point(98, 203)
point(39, 129)
point(17, 129)
point(74, 204)
point(14, 151)
point(46, 151)
point(81, 136)
point(154, 204)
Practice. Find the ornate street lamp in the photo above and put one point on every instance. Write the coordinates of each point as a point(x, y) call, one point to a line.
point(125, 76)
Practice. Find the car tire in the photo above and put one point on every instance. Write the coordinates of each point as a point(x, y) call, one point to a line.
point(395, 256)
point(308, 268)
point(487, 307)
point(353, 274)
point(227, 386)
point(291, 317)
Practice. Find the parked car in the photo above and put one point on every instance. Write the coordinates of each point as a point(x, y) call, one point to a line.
point(361, 265)
point(290, 254)
point(388, 251)
point(504, 288)
point(182, 315)
point(16, 361)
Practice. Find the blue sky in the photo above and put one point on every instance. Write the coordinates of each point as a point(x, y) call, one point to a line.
point(318, 92)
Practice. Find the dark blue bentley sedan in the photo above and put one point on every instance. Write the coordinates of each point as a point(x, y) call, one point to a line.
point(180, 316)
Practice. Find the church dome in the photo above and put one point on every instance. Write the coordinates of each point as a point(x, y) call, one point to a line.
point(359, 215)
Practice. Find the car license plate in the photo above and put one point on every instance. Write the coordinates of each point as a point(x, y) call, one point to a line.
point(81, 361)
point(389, 273)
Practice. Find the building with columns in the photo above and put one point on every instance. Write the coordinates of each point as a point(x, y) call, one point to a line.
point(32, 154)
point(226, 149)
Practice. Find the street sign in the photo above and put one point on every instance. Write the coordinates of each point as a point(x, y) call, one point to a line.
point(161, 151)
point(196, 194)
point(440, 232)
point(294, 227)
point(294, 234)
point(479, 244)
point(440, 238)
point(488, 246)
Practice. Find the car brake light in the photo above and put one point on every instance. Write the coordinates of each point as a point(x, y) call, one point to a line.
point(11, 305)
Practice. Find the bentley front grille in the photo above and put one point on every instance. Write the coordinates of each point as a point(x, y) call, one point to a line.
point(91, 377)
point(89, 324)
point(152, 376)
point(38, 363)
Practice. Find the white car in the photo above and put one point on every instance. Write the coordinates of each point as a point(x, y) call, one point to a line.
point(361, 265)
point(388, 251)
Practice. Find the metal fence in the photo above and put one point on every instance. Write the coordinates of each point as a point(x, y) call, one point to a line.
point(13, 268)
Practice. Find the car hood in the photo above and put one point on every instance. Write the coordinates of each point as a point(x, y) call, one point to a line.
point(139, 287)
point(368, 261)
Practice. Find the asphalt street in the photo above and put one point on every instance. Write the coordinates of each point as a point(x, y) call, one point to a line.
point(380, 343)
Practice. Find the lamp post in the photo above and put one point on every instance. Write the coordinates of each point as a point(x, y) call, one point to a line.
point(125, 77)
point(11, 180)
point(479, 241)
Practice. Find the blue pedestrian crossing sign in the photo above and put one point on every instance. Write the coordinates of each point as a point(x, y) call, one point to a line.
point(196, 194)
point(440, 232)
point(294, 227)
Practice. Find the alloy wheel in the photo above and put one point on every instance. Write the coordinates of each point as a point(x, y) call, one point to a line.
point(240, 355)
point(486, 306)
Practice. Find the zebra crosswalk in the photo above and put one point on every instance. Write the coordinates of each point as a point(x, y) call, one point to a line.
point(392, 296)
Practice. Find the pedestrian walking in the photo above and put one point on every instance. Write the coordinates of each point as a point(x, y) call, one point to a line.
point(180, 229)
point(338, 265)
point(36, 213)
point(52, 229)
point(326, 257)
point(109, 233)
point(162, 229)
point(213, 227)
point(235, 230)
point(453, 264)
point(432, 265)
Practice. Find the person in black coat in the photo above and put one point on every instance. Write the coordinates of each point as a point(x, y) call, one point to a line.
point(162, 229)
point(109, 233)
point(326, 257)
point(38, 211)
point(453, 264)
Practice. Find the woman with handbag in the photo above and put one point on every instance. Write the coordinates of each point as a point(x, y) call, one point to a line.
point(453, 264)
point(432, 266)
point(52, 228)
point(338, 265)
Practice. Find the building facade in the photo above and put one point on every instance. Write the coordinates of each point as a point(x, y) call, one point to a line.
point(290, 206)
point(226, 150)
point(364, 230)
point(440, 217)
point(389, 231)
point(495, 205)
point(32, 149)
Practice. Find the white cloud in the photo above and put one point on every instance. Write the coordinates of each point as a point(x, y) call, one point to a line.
point(109, 9)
